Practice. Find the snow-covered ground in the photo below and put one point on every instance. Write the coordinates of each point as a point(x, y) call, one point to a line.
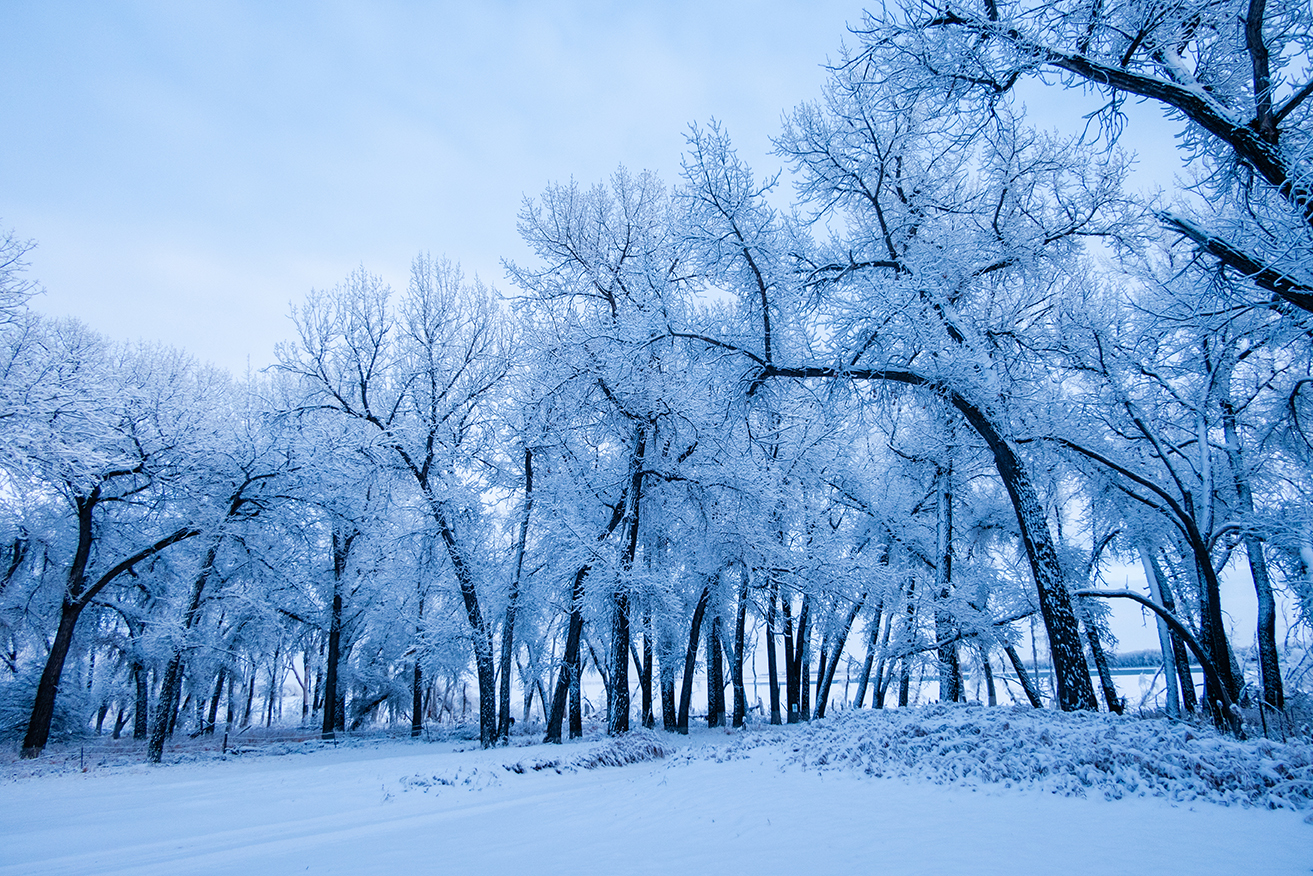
point(937, 790)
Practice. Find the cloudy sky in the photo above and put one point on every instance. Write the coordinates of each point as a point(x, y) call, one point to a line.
point(187, 169)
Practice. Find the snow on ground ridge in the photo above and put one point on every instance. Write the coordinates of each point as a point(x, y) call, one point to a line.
point(1069, 754)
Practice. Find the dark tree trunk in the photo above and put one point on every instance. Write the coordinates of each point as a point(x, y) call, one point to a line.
point(823, 696)
point(140, 713)
point(772, 668)
point(1269, 663)
point(691, 659)
point(950, 668)
point(1026, 684)
point(43, 709)
point(1110, 696)
point(645, 676)
point(567, 675)
point(802, 660)
point(791, 692)
point(617, 719)
point(872, 642)
point(989, 676)
point(736, 659)
point(333, 719)
point(166, 710)
point(417, 703)
point(214, 701)
point(715, 676)
point(508, 624)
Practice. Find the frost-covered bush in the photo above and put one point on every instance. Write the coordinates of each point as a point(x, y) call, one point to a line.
point(17, 696)
point(1072, 754)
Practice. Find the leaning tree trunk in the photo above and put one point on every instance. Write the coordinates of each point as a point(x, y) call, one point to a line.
point(43, 709)
point(873, 641)
point(691, 659)
point(1074, 689)
point(1032, 693)
point(1110, 695)
point(823, 695)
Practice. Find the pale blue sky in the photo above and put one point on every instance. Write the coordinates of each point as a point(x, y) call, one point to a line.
point(189, 168)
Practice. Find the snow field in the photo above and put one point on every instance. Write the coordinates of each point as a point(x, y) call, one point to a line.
point(758, 801)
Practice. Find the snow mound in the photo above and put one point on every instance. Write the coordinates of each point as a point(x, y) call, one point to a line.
point(1070, 754)
point(633, 747)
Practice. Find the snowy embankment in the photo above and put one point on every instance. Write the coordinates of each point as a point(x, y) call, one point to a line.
point(807, 798)
point(1068, 754)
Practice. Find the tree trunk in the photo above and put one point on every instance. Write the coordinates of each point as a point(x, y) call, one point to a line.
point(1151, 575)
point(508, 624)
point(691, 659)
point(617, 702)
point(736, 659)
point(772, 669)
point(214, 701)
point(715, 676)
point(43, 708)
point(873, 640)
point(567, 676)
point(989, 676)
point(1023, 676)
point(950, 667)
point(481, 641)
point(1180, 656)
point(791, 692)
point(645, 675)
point(823, 695)
point(140, 715)
point(1269, 663)
point(802, 660)
point(1101, 663)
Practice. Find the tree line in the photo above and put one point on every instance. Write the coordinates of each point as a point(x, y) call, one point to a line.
point(921, 405)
